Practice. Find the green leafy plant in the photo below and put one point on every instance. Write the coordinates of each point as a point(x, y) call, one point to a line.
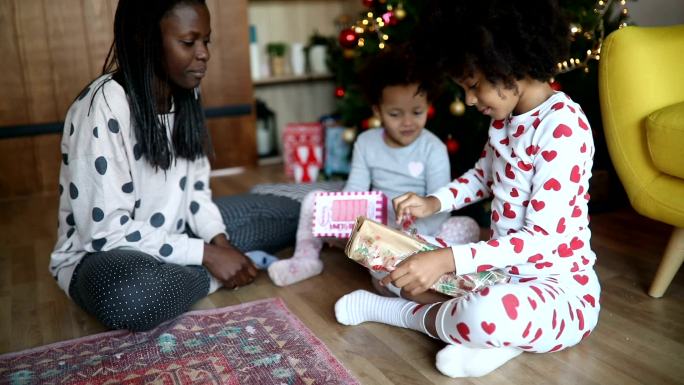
point(276, 49)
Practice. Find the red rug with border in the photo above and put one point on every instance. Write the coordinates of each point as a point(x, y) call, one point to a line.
point(256, 343)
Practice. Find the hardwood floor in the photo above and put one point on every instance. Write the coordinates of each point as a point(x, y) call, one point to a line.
point(639, 340)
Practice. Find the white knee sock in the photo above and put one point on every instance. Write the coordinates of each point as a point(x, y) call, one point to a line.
point(363, 306)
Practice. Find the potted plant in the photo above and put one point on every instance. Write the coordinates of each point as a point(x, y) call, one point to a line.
point(276, 57)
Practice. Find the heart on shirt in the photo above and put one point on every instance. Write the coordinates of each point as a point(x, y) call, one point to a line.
point(416, 168)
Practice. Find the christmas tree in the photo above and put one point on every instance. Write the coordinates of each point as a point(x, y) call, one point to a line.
point(384, 23)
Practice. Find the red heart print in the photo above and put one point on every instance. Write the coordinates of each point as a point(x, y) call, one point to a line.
point(590, 299)
point(509, 171)
point(508, 213)
point(514, 270)
point(511, 303)
point(488, 327)
point(540, 230)
point(480, 193)
point(467, 200)
point(463, 180)
point(483, 154)
point(580, 190)
point(526, 332)
point(454, 192)
point(552, 184)
point(532, 302)
point(495, 216)
point(463, 330)
point(542, 265)
point(518, 244)
point(560, 228)
point(537, 205)
point(585, 261)
point(513, 153)
point(526, 203)
point(535, 258)
point(498, 178)
point(583, 149)
point(498, 124)
point(572, 201)
point(473, 251)
point(514, 192)
point(532, 150)
point(497, 153)
point(575, 174)
point(480, 172)
point(562, 130)
point(524, 166)
point(484, 291)
point(576, 243)
point(576, 212)
point(570, 108)
point(580, 318)
point(527, 279)
point(441, 242)
point(558, 106)
point(493, 242)
point(519, 131)
point(549, 155)
point(536, 122)
point(575, 267)
point(581, 123)
point(581, 279)
point(505, 141)
point(564, 251)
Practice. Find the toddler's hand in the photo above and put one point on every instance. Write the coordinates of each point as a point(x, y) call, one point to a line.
point(410, 205)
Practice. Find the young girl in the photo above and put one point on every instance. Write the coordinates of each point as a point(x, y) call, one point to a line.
point(135, 173)
point(536, 166)
point(400, 157)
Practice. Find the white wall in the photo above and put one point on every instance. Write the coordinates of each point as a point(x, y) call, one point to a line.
point(650, 13)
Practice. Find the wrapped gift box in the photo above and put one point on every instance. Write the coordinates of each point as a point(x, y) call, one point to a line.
point(335, 213)
point(303, 149)
point(379, 247)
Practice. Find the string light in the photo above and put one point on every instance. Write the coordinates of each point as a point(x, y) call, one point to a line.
point(373, 24)
point(596, 35)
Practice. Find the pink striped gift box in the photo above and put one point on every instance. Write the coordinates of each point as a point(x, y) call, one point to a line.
point(335, 213)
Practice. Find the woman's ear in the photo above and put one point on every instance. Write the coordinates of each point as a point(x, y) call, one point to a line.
point(376, 110)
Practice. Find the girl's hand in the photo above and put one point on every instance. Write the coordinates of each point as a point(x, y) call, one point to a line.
point(419, 272)
point(228, 264)
point(410, 205)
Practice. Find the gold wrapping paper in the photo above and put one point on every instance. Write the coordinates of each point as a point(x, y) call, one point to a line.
point(379, 247)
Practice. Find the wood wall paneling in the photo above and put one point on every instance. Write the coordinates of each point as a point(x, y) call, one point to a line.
point(52, 49)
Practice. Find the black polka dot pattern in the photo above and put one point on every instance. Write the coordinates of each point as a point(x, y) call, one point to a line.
point(127, 187)
point(199, 185)
point(194, 207)
point(101, 165)
point(83, 93)
point(123, 219)
point(166, 250)
point(127, 289)
point(95, 134)
point(65, 159)
point(157, 220)
point(61, 189)
point(73, 191)
point(134, 236)
point(71, 232)
point(70, 220)
point(71, 129)
point(98, 214)
point(99, 243)
point(137, 204)
point(113, 126)
point(182, 183)
point(179, 224)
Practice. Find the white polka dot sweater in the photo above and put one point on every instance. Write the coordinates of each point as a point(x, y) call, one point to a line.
point(536, 166)
point(111, 197)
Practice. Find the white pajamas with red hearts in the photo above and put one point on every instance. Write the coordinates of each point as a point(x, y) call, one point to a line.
point(536, 166)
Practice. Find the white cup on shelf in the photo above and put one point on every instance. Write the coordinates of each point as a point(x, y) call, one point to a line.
point(297, 58)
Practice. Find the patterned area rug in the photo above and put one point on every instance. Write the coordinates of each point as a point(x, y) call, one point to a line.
point(255, 343)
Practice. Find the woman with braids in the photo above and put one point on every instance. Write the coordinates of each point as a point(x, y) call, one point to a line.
point(135, 173)
point(535, 165)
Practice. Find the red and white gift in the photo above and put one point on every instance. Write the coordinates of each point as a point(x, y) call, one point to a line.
point(335, 213)
point(303, 150)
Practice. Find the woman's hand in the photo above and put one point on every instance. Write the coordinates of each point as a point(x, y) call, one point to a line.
point(228, 264)
point(410, 205)
point(419, 272)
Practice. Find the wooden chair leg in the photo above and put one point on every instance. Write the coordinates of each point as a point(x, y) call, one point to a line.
point(672, 260)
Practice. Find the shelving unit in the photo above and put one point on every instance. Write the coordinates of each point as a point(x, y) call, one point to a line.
point(291, 79)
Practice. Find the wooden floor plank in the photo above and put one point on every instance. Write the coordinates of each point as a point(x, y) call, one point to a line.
point(639, 340)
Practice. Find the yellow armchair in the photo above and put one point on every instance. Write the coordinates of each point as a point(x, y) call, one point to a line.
point(641, 89)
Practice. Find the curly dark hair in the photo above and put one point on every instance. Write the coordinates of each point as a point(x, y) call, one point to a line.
point(507, 40)
point(394, 66)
